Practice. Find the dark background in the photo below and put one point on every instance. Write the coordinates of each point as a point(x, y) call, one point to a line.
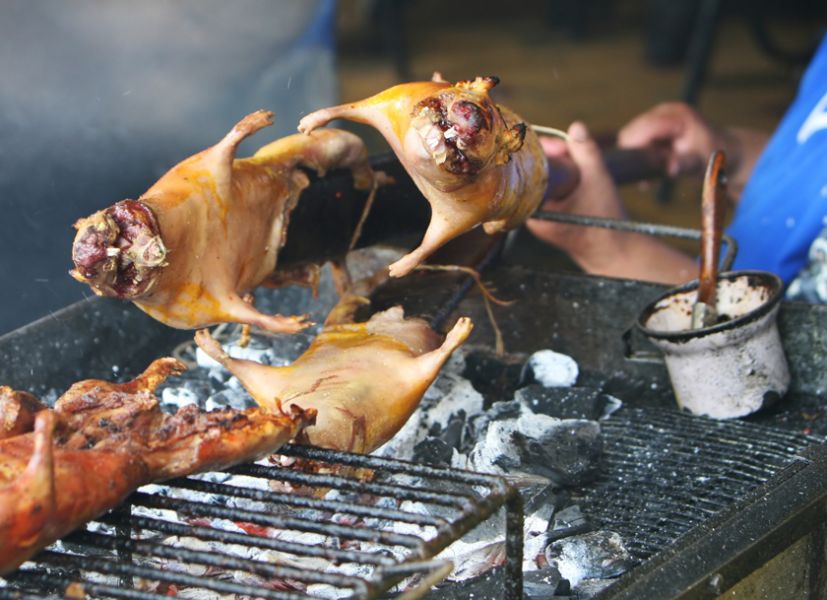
point(99, 99)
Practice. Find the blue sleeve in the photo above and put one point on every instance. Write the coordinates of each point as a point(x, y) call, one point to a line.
point(784, 206)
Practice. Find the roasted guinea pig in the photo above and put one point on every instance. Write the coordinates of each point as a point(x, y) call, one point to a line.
point(104, 440)
point(473, 160)
point(210, 229)
point(100, 415)
point(47, 491)
point(364, 379)
point(17, 412)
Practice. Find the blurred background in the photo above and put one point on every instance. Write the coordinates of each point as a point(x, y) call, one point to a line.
point(100, 98)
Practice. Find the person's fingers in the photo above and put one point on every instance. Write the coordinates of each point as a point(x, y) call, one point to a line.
point(553, 147)
point(584, 150)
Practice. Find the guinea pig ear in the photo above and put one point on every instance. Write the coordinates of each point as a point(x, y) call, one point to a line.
point(510, 141)
point(480, 84)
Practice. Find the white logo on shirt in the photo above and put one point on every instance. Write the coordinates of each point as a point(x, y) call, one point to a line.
point(815, 121)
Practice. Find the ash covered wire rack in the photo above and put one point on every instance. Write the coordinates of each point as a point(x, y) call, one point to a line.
point(260, 531)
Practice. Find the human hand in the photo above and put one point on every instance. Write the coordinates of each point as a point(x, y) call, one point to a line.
point(595, 195)
point(690, 140)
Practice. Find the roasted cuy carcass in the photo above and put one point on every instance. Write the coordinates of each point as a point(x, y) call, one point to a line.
point(473, 160)
point(364, 379)
point(209, 231)
point(104, 440)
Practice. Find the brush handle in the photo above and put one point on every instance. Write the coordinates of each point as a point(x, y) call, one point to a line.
point(626, 165)
point(713, 205)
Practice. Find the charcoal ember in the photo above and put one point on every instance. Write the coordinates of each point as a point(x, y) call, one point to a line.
point(539, 494)
point(592, 379)
point(589, 588)
point(594, 555)
point(488, 586)
point(564, 402)
point(477, 425)
point(401, 445)
point(230, 398)
point(434, 451)
point(495, 452)
point(495, 377)
point(183, 391)
point(550, 369)
point(567, 522)
point(543, 583)
point(452, 431)
point(566, 451)
point(447, 405)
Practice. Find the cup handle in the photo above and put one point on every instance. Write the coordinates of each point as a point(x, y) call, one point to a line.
point(635, 355)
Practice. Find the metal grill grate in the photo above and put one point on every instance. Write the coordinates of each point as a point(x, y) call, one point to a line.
point(665, 472)
point(267, 532)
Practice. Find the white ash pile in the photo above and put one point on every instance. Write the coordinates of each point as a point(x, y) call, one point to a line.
point(527, 419)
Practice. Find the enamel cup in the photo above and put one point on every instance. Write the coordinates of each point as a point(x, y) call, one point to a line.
point(734, 367)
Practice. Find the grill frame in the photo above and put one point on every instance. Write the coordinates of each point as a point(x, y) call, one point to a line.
point(474, 497)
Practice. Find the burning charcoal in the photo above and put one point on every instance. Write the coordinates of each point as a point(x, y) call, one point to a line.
point(402, 445)
point(183, 392)
point(495, 451)
point(495, 377)
point(567, 522)
point(538, 493)
point(562, 402)
point(446, 407)
point(567, 452)
point(434, 451)
point(450, 432)
point(589, 588)
point(550, 369)
point(502, 411)
point(595, 555)
point(488, 586)
point(231, 398)
point(534, 549)
point(543, 584)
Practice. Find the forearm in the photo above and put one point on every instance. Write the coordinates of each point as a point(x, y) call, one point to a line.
point(636, 256)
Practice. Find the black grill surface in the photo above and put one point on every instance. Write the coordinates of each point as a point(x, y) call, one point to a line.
point(665, 472)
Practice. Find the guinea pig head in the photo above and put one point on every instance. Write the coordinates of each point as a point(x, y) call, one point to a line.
point(463, 130)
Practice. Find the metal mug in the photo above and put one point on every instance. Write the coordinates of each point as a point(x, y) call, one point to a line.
point(734, 367)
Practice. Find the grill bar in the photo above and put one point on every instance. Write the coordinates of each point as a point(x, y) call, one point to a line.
point(215, 559)
point(203, 509)
point(304, 502)
point(690, 467)
point(446, 498)
point(194, 532)
point(231, 537)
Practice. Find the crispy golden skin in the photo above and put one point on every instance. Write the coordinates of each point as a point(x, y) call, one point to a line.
point(210, 229)
point(364, 379)
point(474, 161)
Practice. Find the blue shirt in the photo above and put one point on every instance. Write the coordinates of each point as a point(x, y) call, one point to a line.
point(784, 205)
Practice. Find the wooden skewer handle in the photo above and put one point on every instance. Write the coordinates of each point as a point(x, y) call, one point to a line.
point(713, 205)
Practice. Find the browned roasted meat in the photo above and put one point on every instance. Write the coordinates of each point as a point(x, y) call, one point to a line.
point(47, 491)
point(364, 379)
point(103, 440)
point(17, 412)
point(100, 415)
point(474, 161)
point(210, 229)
